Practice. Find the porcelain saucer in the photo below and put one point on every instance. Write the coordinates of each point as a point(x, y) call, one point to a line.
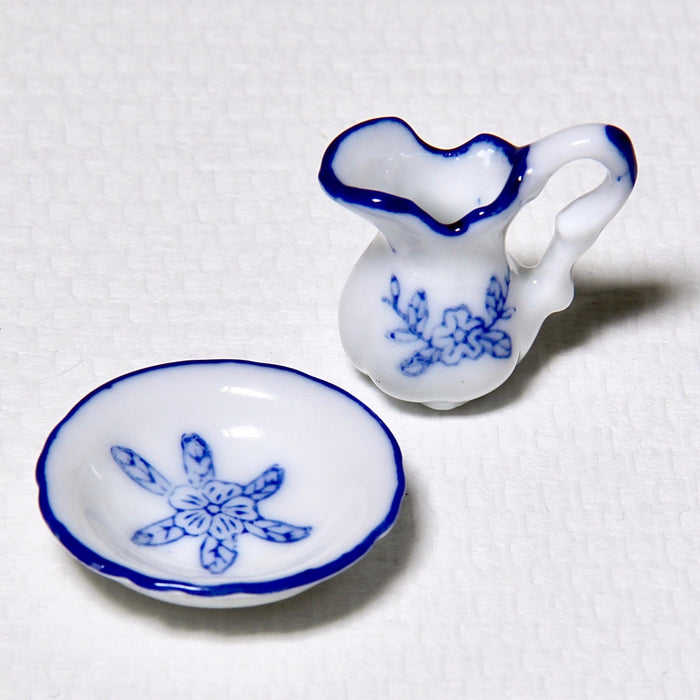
point(219, 483)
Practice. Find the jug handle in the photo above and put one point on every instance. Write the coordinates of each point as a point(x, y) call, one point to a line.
point(578, 225)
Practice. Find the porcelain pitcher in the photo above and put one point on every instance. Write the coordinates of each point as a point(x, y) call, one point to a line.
point(436, 311)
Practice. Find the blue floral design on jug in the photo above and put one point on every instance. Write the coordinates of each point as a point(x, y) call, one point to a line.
point(207, 507)
point(460, 336)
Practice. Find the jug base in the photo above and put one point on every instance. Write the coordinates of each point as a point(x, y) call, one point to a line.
point(443, 405)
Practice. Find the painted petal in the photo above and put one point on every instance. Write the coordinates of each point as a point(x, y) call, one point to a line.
point(188, 498)
point(471, 352)
point(222, 526)
point(241, 508)
point(497, 343)
point(452, 355)
point(266, 484)
point(162, 532)
point(472, 347)
point(474, 323)
point(494, 289)
point(395, 288)
point(449, 320)
point(140, 471)
point(197, 459)
point(417, 364)
point(442, 337)
point(417, 311)
point(402, 335)
point(491, 302)
point(193, 522)
point(219, 492)
point(276, 531)
point(462, 315)
point(216, 555)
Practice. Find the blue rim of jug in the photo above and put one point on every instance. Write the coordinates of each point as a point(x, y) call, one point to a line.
point(304, 578)
point(384, 201)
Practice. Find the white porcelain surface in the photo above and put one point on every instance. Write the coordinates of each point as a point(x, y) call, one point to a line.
point(436, 311)
point(294, 476)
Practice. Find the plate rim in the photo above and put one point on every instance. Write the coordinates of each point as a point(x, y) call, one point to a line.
point(305, 578)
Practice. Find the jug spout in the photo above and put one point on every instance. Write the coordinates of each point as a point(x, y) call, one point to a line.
point(418, 195)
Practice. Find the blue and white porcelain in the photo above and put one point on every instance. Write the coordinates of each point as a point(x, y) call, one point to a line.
point(436, 311)
point(219, 483)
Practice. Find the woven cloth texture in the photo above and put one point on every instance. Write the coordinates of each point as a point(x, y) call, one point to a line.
point(159, 201)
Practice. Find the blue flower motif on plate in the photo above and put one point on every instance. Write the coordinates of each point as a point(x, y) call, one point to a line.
point(217, 511)
point(460, 336)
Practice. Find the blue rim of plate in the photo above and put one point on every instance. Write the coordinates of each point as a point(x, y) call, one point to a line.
point(307, 577)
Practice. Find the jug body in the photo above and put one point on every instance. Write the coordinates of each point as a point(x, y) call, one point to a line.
point(430, 329)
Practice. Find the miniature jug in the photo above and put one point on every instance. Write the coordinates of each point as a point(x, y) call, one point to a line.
point(436, 311)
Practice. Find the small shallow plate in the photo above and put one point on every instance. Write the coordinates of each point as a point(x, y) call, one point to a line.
point(219, 483)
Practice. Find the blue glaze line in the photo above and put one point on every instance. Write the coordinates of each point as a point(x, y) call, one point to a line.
point(383, 201)
point(621, 141)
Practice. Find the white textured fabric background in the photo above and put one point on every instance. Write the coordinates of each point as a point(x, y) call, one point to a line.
point(158, 201)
